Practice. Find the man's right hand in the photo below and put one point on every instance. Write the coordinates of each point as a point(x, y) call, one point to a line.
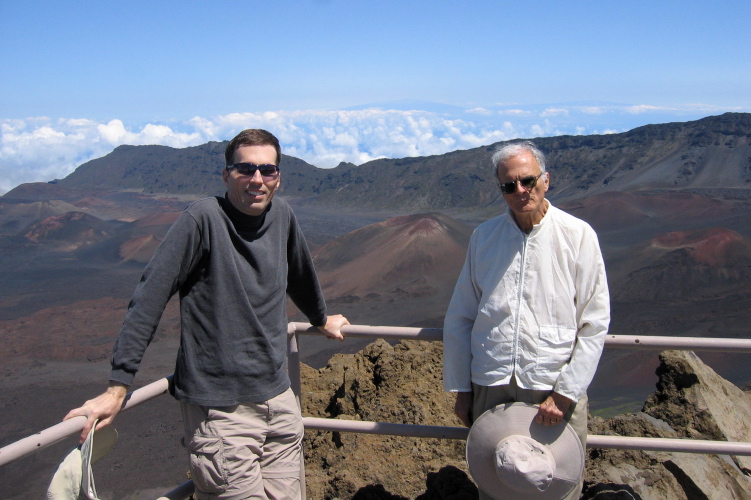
point(463, 408)
point(103, 407)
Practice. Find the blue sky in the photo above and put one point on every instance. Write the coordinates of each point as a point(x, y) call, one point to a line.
point(353, 80)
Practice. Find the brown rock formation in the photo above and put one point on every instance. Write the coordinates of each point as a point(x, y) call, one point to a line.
point(402, 384)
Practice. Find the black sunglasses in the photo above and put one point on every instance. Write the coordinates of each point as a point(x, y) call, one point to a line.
point(268, 171)
point(527, 183)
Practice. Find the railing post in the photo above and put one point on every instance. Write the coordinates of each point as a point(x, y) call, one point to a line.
point(293, 369)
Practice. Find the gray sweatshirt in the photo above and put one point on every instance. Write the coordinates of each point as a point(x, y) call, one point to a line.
point(233, 272)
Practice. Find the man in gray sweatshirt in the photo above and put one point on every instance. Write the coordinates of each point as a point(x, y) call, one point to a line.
point(233, 260)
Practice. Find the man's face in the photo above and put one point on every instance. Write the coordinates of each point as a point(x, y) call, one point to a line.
point(251, 194)
point(524, 202)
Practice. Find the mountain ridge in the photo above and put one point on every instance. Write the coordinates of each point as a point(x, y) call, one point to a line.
point(680, 155)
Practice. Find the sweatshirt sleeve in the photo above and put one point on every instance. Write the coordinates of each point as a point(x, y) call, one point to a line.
point(593, 319)
point(302, 281)
point(170, 266)
point(457, 328)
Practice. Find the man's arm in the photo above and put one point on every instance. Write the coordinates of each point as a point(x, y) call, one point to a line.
point(463, 407)
point(457, 328)
point(169, 266)
point(302, 281)
point(593, 319)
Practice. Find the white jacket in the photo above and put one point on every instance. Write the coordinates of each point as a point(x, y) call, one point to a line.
point(536, 306)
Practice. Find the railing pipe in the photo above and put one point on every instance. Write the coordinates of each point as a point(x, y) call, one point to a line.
point(682, 343)
point(593, 440)
point(59, 432)
point(670, 444)
point(615, 341)
point(366, 427)
point(67, 428)
point(386, 332)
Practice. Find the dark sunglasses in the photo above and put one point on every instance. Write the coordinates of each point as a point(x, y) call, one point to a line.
point(268, 171)
point(527, 183)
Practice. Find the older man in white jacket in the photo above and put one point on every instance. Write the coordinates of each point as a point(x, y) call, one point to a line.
point(531, 308)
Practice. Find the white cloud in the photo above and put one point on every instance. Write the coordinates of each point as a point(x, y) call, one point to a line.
point(42, 149)
point(592, 110)
point(515, 112)
point(480, 111)
point(644, 108)
point(555, 112)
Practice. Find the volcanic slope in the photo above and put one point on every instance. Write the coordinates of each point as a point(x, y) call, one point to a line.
point(15, 216)
point(711, 262)
point(416, 257)
point(681, 283)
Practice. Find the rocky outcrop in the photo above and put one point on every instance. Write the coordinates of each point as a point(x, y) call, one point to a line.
point(691, 401)
point(402, 384)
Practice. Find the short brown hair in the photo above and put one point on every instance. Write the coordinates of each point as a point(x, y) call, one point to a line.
point(252, 137)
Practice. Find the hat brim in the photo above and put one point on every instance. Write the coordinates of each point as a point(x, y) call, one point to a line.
point(513, 419)
point(104, 441)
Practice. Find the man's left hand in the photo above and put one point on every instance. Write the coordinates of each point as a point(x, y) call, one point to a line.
point(333, 327)
point(553, 409)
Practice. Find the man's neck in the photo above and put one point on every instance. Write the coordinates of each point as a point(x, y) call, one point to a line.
point(527, 222)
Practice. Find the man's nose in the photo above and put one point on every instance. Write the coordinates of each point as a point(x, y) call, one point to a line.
point(256, 177)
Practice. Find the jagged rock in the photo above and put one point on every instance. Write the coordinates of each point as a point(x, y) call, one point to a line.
point(402, 384)
point(691, 401)
point(698, 403)
point(382, 383)
point(708, 477)
point(641, 471)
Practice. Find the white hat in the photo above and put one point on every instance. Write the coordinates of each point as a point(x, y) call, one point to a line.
point(511, 456)
point(73, 477)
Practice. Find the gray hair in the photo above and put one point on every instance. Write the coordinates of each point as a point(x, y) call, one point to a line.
point(503, 153)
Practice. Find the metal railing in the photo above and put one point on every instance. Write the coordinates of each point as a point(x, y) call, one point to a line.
point(63, 430)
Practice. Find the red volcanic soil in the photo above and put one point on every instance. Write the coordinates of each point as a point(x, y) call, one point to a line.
point(717, 247)
point(712, 262)
point(80, 332)
point(624, 210)
point(93, 202)
point(400, 272)
point(16, 216)
point(606, 210)
point(83, 332)
point(157, 219)
point(74, 229)
point(416, 253)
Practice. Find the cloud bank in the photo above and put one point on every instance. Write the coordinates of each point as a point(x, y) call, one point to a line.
point(43, 149)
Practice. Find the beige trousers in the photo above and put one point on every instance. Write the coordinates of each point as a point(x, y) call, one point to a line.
point(485, 398)
point(247, 451)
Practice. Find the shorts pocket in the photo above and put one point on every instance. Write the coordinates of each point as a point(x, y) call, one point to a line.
point(207, 463)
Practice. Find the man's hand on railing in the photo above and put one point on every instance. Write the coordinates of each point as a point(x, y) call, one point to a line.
point(333, 327)
point(103, 407)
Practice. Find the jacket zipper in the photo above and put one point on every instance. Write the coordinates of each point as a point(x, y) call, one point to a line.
point(519, 303)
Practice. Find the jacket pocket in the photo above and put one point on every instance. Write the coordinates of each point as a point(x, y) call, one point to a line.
point(554, 347)
point(207, 464)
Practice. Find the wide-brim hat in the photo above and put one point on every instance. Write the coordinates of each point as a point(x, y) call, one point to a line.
point(511, 456)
